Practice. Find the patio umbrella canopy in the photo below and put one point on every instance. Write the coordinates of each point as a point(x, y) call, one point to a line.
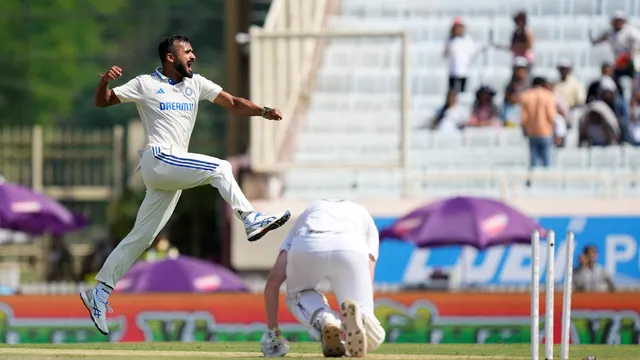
point(22, 209)
point(478, 222)
point(183, 274)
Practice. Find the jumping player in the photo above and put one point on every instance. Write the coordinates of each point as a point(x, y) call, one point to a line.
point(335, 240)
point(167, 102)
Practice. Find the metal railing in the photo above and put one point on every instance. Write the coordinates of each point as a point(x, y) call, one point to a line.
point(66, 163)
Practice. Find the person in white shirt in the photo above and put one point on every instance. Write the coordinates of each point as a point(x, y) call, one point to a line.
point(460, 50)
point(335, 240)
point(624, 39)
point(167, 102)
point(452, 117)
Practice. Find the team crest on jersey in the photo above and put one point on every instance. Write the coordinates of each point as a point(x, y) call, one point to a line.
point(188, 91)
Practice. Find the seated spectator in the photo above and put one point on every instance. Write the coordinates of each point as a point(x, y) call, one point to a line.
point(618, 105)
point(460, 50)
point(520, 77)
point(561, 124)
point(452, 116)
point(599, 125)
point(589, 276)
point(484, 112)
point(569, 87)
point(511, 110)
point(538, 121)
point(634, 123)
point(606, 70)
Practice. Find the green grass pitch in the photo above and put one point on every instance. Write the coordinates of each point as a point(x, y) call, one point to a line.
point(217, 350)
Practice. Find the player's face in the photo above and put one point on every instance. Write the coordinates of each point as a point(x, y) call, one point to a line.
point(184, 57)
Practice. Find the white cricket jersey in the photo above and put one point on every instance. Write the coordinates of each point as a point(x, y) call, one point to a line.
point(168, 111)
point(334, 225)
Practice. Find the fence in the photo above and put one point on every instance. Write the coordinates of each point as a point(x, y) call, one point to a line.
point(67, 164)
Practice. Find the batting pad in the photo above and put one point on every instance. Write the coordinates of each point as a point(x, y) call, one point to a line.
point(375, 331)
point(305, 306)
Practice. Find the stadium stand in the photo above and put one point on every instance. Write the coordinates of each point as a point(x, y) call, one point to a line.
point(354, 112)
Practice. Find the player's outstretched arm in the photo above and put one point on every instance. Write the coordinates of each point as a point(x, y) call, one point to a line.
point(104, 95)
point(243, 107)
point(277, 276)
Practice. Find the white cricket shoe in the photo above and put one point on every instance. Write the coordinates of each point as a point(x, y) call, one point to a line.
point(331, 328)
point(97, 310)
point(259, 225)
point(355, 335)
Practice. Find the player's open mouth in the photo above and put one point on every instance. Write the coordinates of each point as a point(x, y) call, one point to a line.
point(189, 65)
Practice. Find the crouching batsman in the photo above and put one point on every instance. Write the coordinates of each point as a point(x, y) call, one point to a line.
point(335, 240)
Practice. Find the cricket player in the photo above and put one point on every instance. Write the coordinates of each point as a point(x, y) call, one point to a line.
point(335, 240)
point(167, 102)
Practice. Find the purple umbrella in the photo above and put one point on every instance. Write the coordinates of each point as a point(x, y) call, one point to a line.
point(182, 274)
point(477, 222)
point(22, 209)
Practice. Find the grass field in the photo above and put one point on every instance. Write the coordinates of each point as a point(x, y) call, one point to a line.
point(210, 350)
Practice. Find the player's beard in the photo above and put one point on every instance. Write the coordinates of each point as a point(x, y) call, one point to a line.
point(181, 68)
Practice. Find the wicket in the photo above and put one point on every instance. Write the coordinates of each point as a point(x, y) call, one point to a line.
point(549, 293)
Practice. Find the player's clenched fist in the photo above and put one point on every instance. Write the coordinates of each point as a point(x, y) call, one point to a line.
point(273, 114)
point(113, 73)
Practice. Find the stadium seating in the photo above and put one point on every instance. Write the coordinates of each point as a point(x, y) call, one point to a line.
point(354, 114)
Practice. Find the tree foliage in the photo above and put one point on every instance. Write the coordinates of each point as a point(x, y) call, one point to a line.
point(54, 50)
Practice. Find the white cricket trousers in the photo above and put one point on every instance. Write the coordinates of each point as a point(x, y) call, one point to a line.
point(166, 173)
point(346, 270)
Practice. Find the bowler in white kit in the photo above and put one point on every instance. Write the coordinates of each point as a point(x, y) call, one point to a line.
point(335, 240)
point(167, 102)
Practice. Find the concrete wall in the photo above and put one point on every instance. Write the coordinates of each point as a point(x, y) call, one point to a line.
point(262, 254)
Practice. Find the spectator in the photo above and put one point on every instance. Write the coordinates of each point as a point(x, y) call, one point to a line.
point(569, 87)
point(625, 43)
point(60, 261)
point(484, 112)
point(460, 50)
point(600, 125)
point(560, 126)
point(452, 116)
point(538, 120)
point(522, 39)
point(589, 276)
point(520, 76)
point(511, 110)
point(634, 124)
point(606, 70)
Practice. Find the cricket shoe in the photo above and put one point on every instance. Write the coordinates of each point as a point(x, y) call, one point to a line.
point(331, 329)
point(97, 309)
point(259, 225)
point(355, 335)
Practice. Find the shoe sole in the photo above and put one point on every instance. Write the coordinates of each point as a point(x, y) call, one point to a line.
point(354, 334)
point(85, 301)
point(274, 225)
point(332, 345)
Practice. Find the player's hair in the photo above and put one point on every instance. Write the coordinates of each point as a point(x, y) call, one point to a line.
point(167, 45)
